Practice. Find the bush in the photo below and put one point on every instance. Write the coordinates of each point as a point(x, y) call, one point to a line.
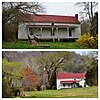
point(87, 40)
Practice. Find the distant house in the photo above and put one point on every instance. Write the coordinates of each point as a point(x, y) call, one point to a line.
point(70, 80)
point(49, 27)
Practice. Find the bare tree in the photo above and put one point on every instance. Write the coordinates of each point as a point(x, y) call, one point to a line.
point(52, 62)
point(13, 12)
point(88, 11)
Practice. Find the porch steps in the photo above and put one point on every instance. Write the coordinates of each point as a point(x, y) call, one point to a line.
point(34, 42)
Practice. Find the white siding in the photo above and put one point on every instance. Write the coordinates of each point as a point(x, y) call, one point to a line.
point(82, 83)
point(77, 32)
point(23, 31)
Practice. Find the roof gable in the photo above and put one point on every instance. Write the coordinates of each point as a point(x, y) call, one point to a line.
point(69, 75)
point(52, 18)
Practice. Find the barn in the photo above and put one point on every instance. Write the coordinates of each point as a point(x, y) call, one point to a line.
point(49, 27)
point(70, 80)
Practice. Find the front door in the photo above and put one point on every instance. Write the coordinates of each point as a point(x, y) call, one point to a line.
point(70, 32)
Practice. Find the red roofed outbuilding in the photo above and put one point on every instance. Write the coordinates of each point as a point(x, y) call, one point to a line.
point(70, 80)
point(49, 27)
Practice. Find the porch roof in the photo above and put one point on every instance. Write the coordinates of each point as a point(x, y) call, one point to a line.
point(70, 81)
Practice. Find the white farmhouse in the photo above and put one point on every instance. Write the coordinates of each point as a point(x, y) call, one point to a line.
point(49, 27)
point(70, 80)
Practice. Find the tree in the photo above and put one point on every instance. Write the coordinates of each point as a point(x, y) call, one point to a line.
point(92, 72)
point(92, 76)
point(13, 13)
point(10, 73)
point(29, 77)
point(52, 63)
point(79, 63)
point(94, 24)
point(88, 11)
point(85, 26)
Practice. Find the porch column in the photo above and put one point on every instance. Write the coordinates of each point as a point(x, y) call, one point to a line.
point(57, 34)
point(53, 34)
point(41, 31)
point(68, 31)
point(28, 30)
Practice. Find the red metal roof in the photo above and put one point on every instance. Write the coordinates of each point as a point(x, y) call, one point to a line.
point(71, 81)
point(69, 75)
point(52, 18)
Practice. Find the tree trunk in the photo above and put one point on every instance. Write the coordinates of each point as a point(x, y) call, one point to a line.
point(3, 33)
point(53, 82)
point(91, 10)
point(17, 31)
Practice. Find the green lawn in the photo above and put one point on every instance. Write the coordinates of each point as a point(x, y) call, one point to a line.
point(87, 92)
point(52, 45)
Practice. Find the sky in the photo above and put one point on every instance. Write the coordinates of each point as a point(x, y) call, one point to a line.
point(82, 52)
point(61, 8)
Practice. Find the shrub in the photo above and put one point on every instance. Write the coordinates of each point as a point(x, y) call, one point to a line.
point(87, 40)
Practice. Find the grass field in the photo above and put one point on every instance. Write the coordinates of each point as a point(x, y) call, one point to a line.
point(52, 45)
point(87, 92)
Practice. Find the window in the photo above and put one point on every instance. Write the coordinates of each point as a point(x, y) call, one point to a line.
point(31, 31)
point(70, 33)
point(51, 31)
point(64, 85)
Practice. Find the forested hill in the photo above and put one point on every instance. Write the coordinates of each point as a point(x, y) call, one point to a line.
point(77, 63)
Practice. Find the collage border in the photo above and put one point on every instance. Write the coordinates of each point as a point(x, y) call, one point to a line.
point(1, 50)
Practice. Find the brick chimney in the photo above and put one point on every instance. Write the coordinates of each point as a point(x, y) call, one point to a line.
point(76, 15)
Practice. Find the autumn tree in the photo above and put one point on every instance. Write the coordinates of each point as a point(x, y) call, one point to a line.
point(29, 77)
point(13, 13)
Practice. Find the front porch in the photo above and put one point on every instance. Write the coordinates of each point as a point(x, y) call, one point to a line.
point(69, 84)
point(54, 33)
